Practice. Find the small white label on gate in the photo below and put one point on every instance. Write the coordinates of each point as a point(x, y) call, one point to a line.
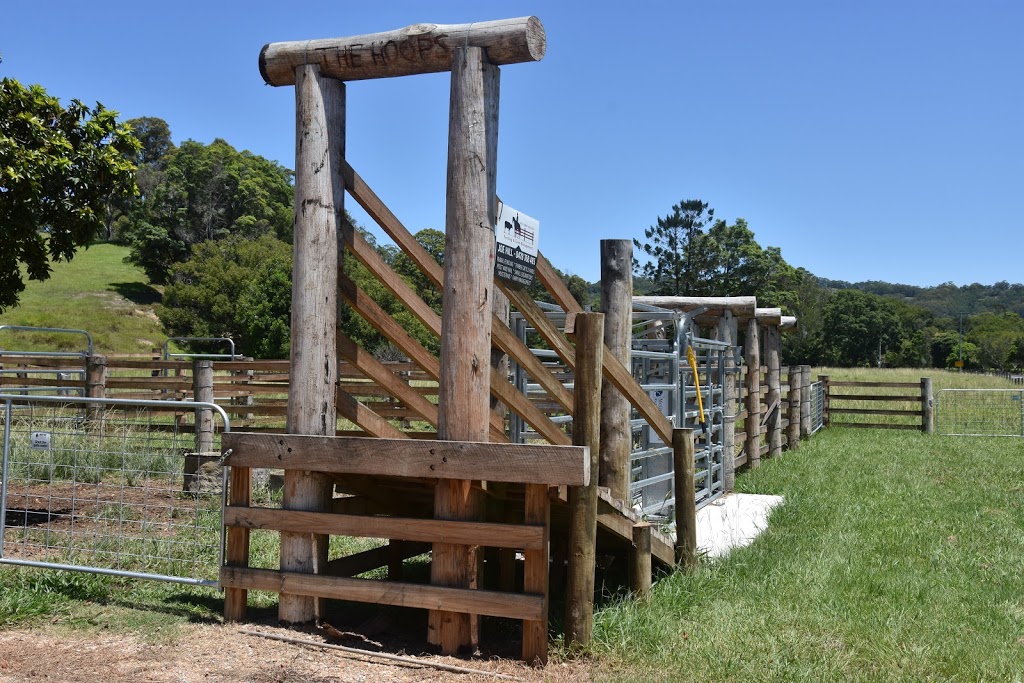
point(41, 440)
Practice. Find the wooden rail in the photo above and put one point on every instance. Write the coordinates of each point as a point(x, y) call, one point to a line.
point(535, 468)
point(872, 404)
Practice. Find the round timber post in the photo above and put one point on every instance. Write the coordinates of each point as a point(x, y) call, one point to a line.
point(805, 401)
point(793, 433)
point(465, 384)
point(319, 206)
point(727, 334)
point(617, 305)
point(927, 406)
point(774, 377)
point(752, 424)
point(202, 474)
point(582, 500)
point(95, 384)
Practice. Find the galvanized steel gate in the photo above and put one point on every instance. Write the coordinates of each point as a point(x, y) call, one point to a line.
point(980, 412)
point(99, 485)
point(660, 341)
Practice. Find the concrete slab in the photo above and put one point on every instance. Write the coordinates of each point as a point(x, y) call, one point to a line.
point(733, 521)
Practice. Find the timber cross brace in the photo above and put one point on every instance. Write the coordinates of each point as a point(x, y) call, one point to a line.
point(318, 70)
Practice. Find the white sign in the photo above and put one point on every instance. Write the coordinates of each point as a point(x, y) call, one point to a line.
point(660, 398)
point(516, 237)
point(41, 440)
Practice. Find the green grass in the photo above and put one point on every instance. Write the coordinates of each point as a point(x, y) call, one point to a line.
point(896, 556)
point(96, 291)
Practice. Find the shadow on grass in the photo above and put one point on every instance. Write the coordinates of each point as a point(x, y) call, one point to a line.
point(137, 292)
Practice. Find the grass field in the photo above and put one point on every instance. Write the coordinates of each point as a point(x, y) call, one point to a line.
point(96, 292)
point(897, 557)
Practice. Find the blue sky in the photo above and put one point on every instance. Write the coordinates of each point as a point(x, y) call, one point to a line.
point(867, 140)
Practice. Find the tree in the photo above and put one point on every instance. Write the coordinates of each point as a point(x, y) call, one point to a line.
point(235, 288)
point(997, 338)
point(208, 192)
point(680, 253)
point(858, 327)
point(806, 300)
point(58, 169)
point(154, 136)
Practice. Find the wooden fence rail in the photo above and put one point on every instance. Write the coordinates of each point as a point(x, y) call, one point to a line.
point(908, 405)
point(534, 468)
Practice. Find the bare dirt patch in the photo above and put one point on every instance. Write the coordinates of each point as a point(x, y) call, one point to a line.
point(216, 653)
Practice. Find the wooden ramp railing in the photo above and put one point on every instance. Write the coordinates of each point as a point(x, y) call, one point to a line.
point(536, 468)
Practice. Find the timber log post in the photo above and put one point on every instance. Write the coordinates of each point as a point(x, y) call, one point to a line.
point(805, 401)
point(95, 384)
point(752, 425)
point(927, 406)
point(319, 207)
point(617, 304)
point(686, 499)
point(793, 430)
point(202, 474)
point(586, 431)
point(417, 49)
point(464, 388)
point(774, 378)
point(727, 375)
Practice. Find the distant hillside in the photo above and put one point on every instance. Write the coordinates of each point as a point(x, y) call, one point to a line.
point(96, 292)
point(946, 300)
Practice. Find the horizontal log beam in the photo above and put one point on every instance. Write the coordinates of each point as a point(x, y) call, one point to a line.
point(869, 425)
point(877, 385)
point(875, 411)
point(416, 49)
point(521, 463)
point(488, 603)
point(515, 536)
point(742, 307)
point(374, 558)
point(868, 397)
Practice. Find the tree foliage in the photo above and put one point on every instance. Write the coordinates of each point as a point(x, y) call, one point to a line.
point(206, 192)
point(678, 251)
point(59, 167)
point(241, 288)
point(237, 288)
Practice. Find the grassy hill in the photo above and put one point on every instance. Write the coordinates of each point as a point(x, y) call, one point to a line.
point(97, 292)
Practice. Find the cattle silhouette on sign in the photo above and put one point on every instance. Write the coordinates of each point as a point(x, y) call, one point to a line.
point(514, 227)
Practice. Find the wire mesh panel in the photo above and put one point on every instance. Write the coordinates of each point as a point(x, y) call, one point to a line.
point(980, 412)
point(112, 486)
point(817, 406)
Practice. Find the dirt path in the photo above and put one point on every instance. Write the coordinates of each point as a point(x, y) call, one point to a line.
point(215, 654)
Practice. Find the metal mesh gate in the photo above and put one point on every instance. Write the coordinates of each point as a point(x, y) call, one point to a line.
point(980, 412)
point(100, 485)
point(660, 340)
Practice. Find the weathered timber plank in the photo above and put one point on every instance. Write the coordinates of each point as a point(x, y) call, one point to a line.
point(866, 397)
point(368, 560)
point(236, 551)
point(515, 536)
point(416, 49)
point(537, 510)
point(489, 603)
point(351, 409)
point(877, 385)
point(875, 411)
point(502, 337)
point(867, 425)
point(523, 463)
point(386, 325)
point(614, 370)
point(386, 379)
